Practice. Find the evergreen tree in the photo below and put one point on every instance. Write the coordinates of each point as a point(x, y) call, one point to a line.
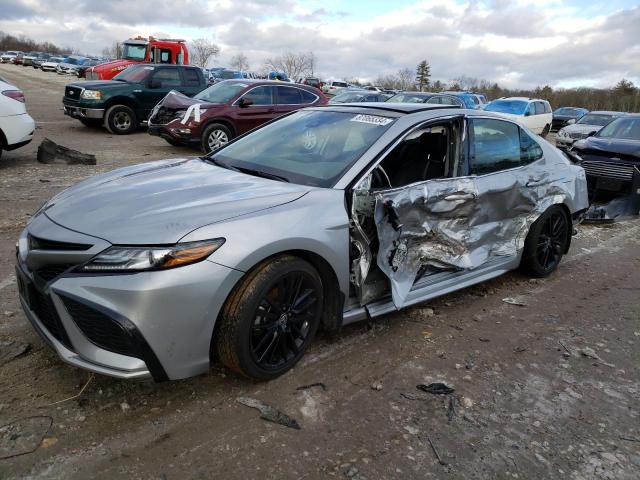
point(423, 72)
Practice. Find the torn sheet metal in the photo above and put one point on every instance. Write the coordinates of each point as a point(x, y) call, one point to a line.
point(462, 223)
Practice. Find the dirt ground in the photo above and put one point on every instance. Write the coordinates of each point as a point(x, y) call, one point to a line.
point(546, 389)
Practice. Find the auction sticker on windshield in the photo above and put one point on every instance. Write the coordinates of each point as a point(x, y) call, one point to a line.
point(372, 119)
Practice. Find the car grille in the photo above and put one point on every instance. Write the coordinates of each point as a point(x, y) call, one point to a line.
point(72, 93)
point(100, 328)
point(51, 272)
point(165, 115)
point(578, 136)
point(608, 169)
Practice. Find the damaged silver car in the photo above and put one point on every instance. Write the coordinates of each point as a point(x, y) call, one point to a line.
point(323, 217)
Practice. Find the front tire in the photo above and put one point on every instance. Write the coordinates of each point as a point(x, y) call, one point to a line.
point(270, 318)
point(215, 136)
point(121, 120)
point(546, 242)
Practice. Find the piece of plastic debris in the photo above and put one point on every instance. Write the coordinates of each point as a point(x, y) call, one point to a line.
point(48, 442)
point(552, 318)
point(124, 406)
point(451, 408)
point(426, 334)
point(484, 339)
point(51, 152)
point(514, 301)
point(436, 388)
point(590, 353)
point(12, 349)
point(377, 385)
point(269, 413)
point(466, 402)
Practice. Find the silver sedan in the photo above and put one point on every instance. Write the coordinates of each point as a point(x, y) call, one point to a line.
point(321, 218)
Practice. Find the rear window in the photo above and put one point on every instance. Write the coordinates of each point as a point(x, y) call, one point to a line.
point(191, 77)
point(289, 96)
point(515, 107)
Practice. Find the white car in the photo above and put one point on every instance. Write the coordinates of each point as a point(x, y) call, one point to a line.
point(16, 126)
point(51, 64)
point(533, 113)
point(586, 126)
point(7, 56)
point(333, 87)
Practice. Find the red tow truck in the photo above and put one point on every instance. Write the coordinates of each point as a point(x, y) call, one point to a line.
point(142, 50)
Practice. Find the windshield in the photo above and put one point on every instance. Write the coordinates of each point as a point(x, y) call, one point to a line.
point(407, 98)
point(594, 119)
point(569, 112)
point(221, 92)
point(228, 74)
point(623, 128)
point(71, 61)
point(515, 107)
point(309, 147)
point(134, 52)
point(134, 73)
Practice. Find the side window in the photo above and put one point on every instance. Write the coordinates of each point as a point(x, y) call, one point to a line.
point(547, 107)
point(191, 78)
point(165, 56)
point(539, 108)
point(496, 146)
point(261, 95)
point(167, 77)
point(475, 100)
point(289, 96)
point(435, 100)
point(530, 151)
point(308, 97)
point(531, 110)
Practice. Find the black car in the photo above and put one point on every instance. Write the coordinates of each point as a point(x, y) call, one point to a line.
point(562, 115)
point(610, 156)
point(425, 97)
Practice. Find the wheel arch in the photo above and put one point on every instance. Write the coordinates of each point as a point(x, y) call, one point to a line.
point(3, 140)
point(121, 100)
point(333, 304)
point(223, 121)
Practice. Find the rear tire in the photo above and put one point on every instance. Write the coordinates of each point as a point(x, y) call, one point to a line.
point(546, 242)
point(270, 318)
point(215, 136)
point(545, 131)
point(121, 120)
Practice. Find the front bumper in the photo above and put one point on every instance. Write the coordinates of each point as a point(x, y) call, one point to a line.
point(81, 112)
point(139, 325)
point(176, 132)
point(564, 142)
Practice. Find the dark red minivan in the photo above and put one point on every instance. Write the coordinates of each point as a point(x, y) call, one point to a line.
point(227, 109)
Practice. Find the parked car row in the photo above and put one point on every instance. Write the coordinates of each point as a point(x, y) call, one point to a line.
point(61, 64)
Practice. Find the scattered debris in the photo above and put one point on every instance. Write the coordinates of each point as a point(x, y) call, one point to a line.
point(312, 385)
point(630, 439)
point(520, 349)
point(427, 334)
point(51, 152)
point(23, 436)
point(9, 313)
point(12, 349)
point(377, 385)
point(48, 442)
point(590, 353)
point(451, 408)
point(436, 388)
point(466, 402)
point(269, 413)
point(483, 339)
point(412, 430)
point(514, 301)
point(433, 447)
point(124, 406)
point(567, 352)
point(456, 327)
point(552, 318)
point(428, 312)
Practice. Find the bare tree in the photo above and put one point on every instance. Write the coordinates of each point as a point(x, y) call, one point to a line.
point(240, 62)
point(405, 79)
point(295, 65)
point(202, 50)
point(114, 51)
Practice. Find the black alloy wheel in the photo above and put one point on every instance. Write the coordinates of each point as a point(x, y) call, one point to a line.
point(283, 320)
point(270, 318)
point(547, 242)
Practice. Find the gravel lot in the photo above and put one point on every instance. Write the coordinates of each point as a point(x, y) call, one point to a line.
point(549, 389)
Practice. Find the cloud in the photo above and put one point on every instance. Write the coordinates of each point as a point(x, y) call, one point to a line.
point(521, 43)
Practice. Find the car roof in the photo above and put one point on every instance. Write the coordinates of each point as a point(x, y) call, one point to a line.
point(398, 108)
point(608, 112)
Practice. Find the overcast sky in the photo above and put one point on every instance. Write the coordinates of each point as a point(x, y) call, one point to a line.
point(518, 43)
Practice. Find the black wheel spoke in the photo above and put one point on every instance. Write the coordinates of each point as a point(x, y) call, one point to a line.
point(283, 320)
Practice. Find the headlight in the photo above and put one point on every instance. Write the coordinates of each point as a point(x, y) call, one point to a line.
point(136, 259)
point(91, 95)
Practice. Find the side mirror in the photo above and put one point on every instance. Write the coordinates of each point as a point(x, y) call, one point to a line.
point(245, 102)
point(571, 121)
point(155, 84)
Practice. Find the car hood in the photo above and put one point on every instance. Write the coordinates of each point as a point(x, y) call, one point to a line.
point(178, 101)
point(614, 147)
point(161, 202)
point(564, 117)
point(581, 128)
